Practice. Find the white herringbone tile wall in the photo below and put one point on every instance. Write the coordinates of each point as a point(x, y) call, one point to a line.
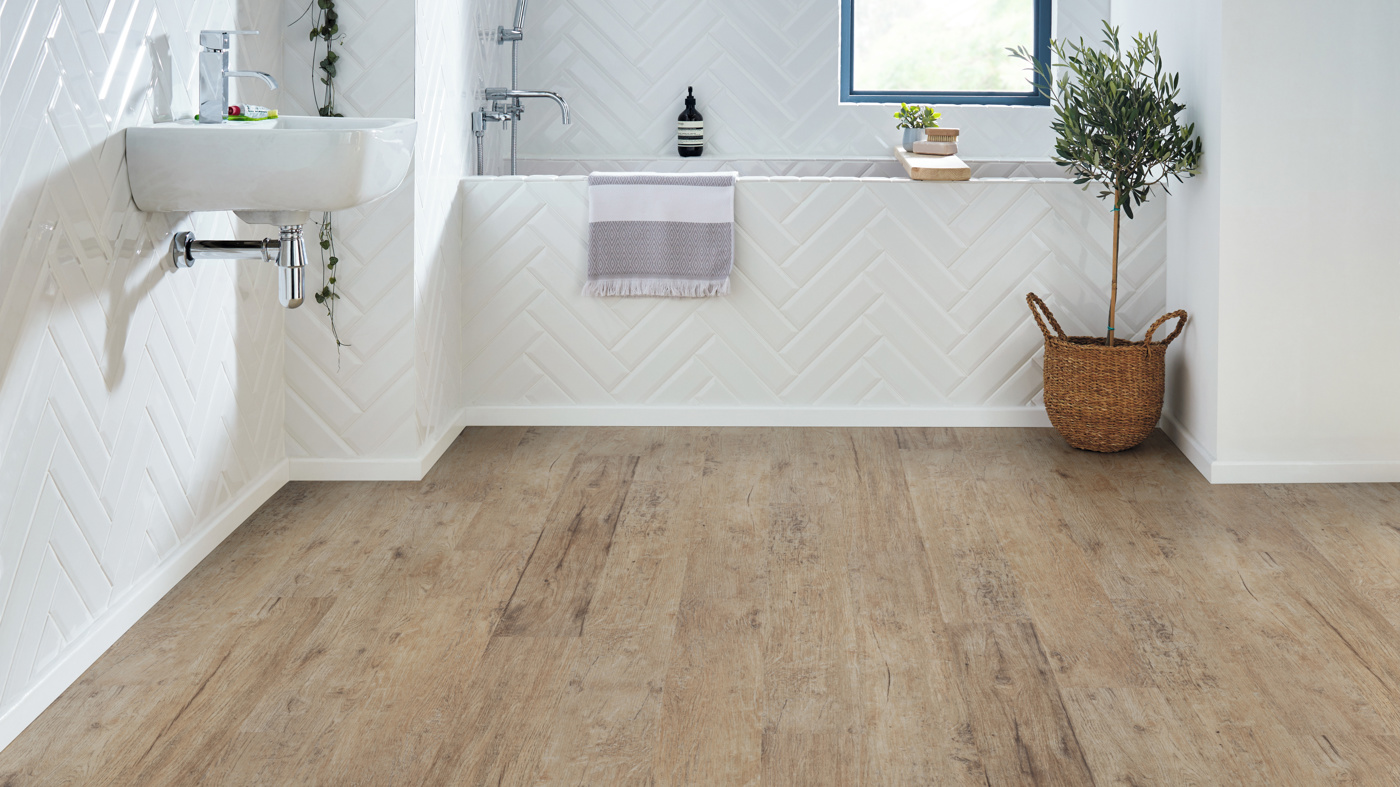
point(360, 403)
point(443, 110)
point(765, 74)
point(845, 294)
point(137, 404)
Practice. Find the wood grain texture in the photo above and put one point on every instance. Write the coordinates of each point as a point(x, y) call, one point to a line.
point(554, 593)
point(923, 167)
point(719, 606)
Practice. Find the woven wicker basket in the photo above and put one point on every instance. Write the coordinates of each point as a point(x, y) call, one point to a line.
point(1103, 398)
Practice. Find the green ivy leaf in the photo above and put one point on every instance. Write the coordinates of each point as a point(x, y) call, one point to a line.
point(325, 244)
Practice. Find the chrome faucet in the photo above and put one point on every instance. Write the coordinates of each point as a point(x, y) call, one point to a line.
point(214, 73)
point(502, 94)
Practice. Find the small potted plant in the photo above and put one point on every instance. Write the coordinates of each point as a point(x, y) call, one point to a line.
point(1116, 126)
point(913, 120)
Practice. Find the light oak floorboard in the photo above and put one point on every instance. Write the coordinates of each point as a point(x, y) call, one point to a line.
point(723, 606)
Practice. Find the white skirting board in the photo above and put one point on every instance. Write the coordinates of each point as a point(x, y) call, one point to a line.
point(412, 468)
point(755, 416)
point(1219, 471)
point(1304, 472)
point(124, 612)
point(1189, 446)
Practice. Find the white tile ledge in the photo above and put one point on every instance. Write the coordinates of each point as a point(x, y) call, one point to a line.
point(769, 179)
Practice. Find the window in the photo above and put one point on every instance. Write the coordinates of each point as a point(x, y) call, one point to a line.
point(941, 51)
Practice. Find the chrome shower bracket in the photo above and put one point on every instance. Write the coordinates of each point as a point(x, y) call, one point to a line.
point(288, 252)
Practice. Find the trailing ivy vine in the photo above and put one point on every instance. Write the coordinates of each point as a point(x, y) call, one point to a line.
point(325, 29)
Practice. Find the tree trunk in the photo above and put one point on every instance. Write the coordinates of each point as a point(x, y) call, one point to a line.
point(1113, 292)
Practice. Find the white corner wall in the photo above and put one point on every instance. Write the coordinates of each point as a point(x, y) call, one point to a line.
point(442, 105)
point(1298, 259)
point(1310, 267)
point(356, 414)
point(1189, 33)
point(140, 408)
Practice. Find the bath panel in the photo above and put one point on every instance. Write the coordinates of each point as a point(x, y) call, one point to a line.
point(847, 295)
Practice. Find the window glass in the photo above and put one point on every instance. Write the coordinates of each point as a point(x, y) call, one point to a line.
point(939, 46)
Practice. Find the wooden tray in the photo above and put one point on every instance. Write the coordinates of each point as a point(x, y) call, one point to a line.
point(922, 167)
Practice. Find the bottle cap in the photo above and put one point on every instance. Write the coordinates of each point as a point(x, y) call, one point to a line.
point(690, 97)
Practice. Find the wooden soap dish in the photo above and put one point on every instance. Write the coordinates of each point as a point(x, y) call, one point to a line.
point(922, 167)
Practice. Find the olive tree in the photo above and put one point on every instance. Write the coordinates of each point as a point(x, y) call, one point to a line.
point(1116, 123)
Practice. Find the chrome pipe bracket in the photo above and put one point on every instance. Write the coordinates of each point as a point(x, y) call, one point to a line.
point(288, 252)
point(185, 249)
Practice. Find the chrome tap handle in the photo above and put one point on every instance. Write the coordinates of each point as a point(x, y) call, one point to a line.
point(217, 40)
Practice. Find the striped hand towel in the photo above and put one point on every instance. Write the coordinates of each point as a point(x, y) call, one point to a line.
point(666, 234)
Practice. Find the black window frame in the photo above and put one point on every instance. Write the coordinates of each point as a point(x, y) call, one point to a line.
point(1033, 96)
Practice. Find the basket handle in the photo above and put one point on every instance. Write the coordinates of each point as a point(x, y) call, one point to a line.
point(1180, 314)
point(1038, 306)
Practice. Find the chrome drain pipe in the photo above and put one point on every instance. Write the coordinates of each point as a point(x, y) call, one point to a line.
point(291, 267)
point(288, 253)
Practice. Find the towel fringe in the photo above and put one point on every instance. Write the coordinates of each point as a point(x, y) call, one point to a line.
point(660, 288)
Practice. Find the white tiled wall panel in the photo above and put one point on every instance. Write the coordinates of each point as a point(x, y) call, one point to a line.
point(135, 402)
point(363, 401)
point(443, 112)
point(845, 294)
point(765, 74)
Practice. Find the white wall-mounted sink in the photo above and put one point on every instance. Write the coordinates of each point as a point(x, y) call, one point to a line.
point(269, 171)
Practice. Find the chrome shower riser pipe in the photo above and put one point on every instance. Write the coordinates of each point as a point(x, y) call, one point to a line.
point(288, 252)
point(506, 104)
point(515, 109)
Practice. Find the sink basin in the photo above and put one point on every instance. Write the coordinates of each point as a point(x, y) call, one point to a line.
point(269, 171)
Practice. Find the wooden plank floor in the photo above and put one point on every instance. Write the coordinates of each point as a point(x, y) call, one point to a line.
point(764, 606)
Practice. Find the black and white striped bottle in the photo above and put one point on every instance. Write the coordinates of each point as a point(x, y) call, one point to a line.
point(690, 128)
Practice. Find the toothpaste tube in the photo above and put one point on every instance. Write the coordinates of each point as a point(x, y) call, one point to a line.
point(251, 112)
